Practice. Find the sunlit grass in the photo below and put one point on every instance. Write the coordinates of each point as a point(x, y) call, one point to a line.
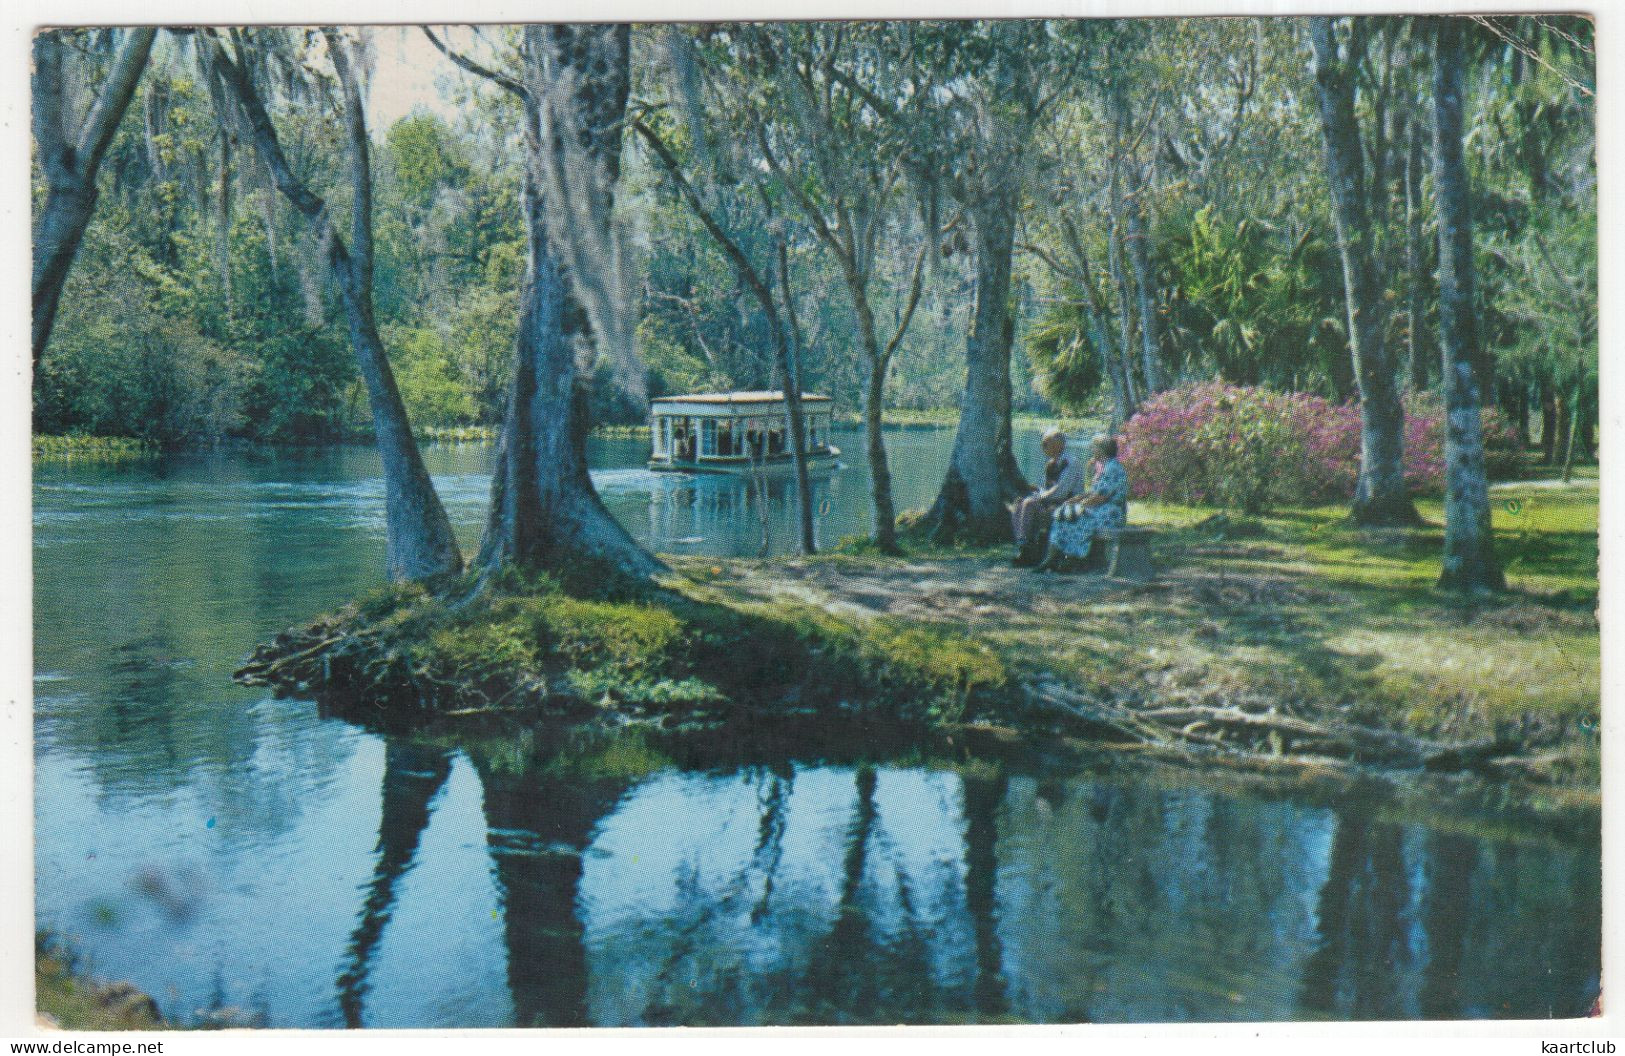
point(1338, 615)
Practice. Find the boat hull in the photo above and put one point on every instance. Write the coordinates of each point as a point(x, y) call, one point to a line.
point(743, 466)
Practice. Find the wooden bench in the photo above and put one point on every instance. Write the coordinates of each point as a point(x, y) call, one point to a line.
point(1128, 553)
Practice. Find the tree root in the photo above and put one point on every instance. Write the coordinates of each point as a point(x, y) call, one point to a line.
point(1272, 734)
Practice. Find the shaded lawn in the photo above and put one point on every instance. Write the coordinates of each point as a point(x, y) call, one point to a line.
point(1376, 632)
point(1297, 609)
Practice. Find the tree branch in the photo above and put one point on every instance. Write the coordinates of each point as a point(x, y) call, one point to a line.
point(112, 100)
point(265, 137)
point(741, 263)
point(496, 77)
point(908, 313)
point(355, 123)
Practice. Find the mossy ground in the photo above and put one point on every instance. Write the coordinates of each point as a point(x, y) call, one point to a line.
point(673, 652)
point(1296, 613)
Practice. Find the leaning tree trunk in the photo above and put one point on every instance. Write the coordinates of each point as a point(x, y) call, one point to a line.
point(1111, 364)
point(1576, 434)
point(1380, 495)
point(874, 408)
point(1469, 550)
point(982, 473)
point(70, 161)
point(420, 542)
point(545, 512)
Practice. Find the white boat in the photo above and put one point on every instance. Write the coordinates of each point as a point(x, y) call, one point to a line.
point(735, 432)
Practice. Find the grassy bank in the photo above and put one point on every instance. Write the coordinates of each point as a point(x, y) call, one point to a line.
point(1291, 637)
point(674, 655)
point(1260, 631)
point(69, 998)
point(948, 417)
point(91, 449)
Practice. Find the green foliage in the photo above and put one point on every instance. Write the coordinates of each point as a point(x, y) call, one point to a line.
point(1062, 347)
point(1264, 303)
point(181, 329)
point(80, 448)
point(120, 365)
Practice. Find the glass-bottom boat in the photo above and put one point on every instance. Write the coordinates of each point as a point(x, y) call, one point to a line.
point(735, 432)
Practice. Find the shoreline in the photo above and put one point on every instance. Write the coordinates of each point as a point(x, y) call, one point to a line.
point(74, 446)
point(68, 998)
point(1291, 645)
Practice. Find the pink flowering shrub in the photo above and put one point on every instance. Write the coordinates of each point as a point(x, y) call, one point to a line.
point(1255, 449)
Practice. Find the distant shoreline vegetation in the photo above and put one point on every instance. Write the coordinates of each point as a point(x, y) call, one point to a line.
point(78, 447)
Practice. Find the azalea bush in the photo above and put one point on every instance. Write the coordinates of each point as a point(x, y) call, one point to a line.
point(1254, 449)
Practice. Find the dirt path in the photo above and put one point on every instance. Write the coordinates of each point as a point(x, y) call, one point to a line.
point(976, 593)
point(969, 591)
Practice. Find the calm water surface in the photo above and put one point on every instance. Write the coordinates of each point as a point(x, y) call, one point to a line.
point(218, 847)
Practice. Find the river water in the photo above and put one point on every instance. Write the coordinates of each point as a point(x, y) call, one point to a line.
point(221, 848)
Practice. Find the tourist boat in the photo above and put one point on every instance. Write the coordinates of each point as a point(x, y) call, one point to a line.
point(735, 432)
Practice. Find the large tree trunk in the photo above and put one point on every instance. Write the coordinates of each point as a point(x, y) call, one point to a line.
point(70, 161)
point(420, 542)
point(1415, 263)
point(982, 472)
point(545, 512)
point(1469, 550)
point(1380, 496)
point(874, 407)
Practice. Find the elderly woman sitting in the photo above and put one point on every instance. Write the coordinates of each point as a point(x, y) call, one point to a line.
point(1103, 509)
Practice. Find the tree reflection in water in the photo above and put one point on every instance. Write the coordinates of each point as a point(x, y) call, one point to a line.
point(413, 775)
point(823, 893)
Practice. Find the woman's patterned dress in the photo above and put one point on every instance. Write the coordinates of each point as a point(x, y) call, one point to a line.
point(1075, 526)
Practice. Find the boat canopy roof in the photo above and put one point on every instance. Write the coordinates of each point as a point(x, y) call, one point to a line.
point(738, 397)
point(726, 402)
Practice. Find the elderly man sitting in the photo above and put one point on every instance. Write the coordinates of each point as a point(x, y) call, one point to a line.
point(1076, 525)
point(1064, 478)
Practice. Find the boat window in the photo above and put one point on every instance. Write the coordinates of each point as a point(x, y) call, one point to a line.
point(725, 438)
point(683, 440)
point(708, 437)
